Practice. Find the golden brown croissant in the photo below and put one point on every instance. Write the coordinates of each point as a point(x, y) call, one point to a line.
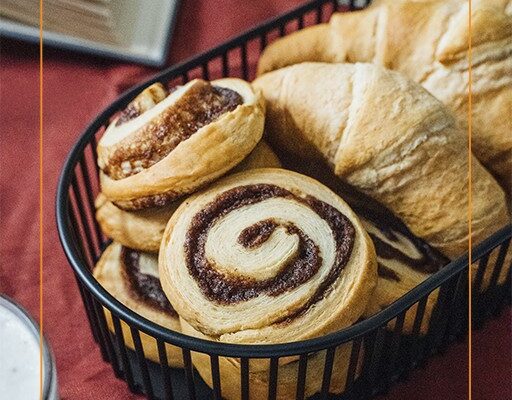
point(427, 41)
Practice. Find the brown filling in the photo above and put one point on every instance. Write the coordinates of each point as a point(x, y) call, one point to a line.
point(227, 290)
point(146, 287)
point(201, 105)
point(146, 100)
point(257, 234)
point(428, 262)
point(387, 273)
point(131, 111)
point(383, 219)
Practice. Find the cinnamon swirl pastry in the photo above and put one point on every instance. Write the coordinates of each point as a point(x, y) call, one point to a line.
point(132, 278)
point(163, 146)
point(267, 256)
point(143, 229)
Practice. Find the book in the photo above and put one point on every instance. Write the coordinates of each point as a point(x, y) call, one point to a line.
point(126, 29)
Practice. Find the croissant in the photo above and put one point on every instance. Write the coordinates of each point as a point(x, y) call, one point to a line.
point(143, 229)
point(428, 42)
point(267, 256)
point(163, 146)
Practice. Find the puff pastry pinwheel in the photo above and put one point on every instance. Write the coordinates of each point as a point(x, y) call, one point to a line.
point(132, 278)
point(163, 146)
point(266, 256)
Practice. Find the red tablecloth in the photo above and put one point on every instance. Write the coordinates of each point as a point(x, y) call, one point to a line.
point(75, 89)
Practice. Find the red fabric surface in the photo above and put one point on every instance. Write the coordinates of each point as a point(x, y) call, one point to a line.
point(76, 88)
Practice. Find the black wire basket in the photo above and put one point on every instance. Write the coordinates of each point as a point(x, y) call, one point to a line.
point(380, 352)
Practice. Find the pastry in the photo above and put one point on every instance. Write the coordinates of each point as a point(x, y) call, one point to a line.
point(143, 229)
point(403, 260)
point(161, 148)
point(267, 256)
point(428, 42)
point(132, 278)
point(393, 141)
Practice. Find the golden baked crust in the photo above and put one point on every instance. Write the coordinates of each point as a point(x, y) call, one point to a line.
point(210, 152)
point(143, 229)
point(389, 138)
point(427, 41)
point(109, 274)
point(269, 226)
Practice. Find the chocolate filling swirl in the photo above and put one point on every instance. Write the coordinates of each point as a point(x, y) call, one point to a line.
point(199, 106)
point(223, 289)
point(146, 287)
point(428, 262)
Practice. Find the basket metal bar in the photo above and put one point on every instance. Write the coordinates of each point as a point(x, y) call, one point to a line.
point(214, 363)
point(244, 61)
point(141, 362)
point(326, 379)
point(482, 266)
point(164, 369)
point(319, 14)
point(374, 342)
point(282, 29)
point(225, 64)
point(440, 316)
point(353, 363)
point(244, 378)
point(84, 293)
point(478, 295)
point(392, 351)
point(83, 219)
point(414, 352)
point(121, 346)
point(300, 22)
point(493, 288)
point(301, 377)
point(88, 191)
point(105, 337)
point(93, 146)
point(263, 41)
point(272, 378)
point(205, 71)
point(455, 318)
point(88, 309)
point(189, 374)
